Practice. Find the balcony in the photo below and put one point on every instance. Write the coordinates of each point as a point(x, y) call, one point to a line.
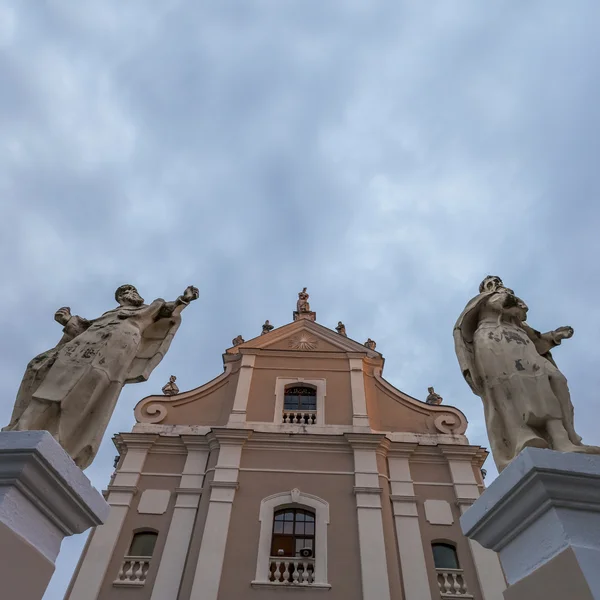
point(452, 584)
point(133, 571)
point(304, 417)
point(291, 571)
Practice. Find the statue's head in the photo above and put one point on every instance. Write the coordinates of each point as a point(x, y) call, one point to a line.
point(128, 295)
point(172, 378)
point(430, 390)
point(490, 284)
point(63, 315)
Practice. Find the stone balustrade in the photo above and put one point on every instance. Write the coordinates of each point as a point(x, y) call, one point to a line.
point(133, 571)
point(291, 571)
point(305, 417)
point(452, 583)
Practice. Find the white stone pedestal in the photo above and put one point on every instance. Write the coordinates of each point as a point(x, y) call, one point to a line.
point(44, 497)
point(542, 515)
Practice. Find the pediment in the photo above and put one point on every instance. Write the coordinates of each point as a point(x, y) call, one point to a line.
point(304, 336)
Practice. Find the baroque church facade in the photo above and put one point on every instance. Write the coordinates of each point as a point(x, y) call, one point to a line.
point(299, 469)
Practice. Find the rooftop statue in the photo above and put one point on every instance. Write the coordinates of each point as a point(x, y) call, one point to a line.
point(170, 388)
point(370, 344)
point(267, 327)
point(433, 397)
point(237, 340)
point(341, 329)
point(302, 306)
point(508, 364)
point(72, 390)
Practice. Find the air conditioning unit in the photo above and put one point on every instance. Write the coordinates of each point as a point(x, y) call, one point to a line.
point(306, 552)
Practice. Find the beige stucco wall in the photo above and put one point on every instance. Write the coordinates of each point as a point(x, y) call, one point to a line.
point(338, 403)
point(242, 542)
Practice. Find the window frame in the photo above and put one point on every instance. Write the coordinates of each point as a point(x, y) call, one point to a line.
point(294, 536)
point(445, 544)
point(282, 383)
point(292, 499)
point(137, 532)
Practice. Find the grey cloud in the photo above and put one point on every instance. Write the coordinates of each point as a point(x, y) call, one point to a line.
point(386, 155)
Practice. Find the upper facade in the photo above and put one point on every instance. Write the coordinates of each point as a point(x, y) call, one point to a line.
point(299, 469)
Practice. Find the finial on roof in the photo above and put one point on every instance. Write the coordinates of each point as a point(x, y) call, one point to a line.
point(236, 341)
point(170, 388)
point(433, 397)
point(303, 307)
point(370, 344)
point(267, 327)
point(341, 329)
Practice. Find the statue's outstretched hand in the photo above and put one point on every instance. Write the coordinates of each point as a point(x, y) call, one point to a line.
point(191, 293)
point(563, 333)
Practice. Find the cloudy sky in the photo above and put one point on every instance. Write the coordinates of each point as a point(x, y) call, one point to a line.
point(387, 155)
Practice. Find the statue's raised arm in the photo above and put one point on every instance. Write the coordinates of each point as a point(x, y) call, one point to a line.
point(79, 390)
point(508, 364)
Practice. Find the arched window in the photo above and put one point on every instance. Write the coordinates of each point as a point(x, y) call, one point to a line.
point(142, 543)
point(300, 405)
point(293, 533)
point(444, 556)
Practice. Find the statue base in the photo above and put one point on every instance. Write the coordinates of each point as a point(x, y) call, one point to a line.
point(44, 497)
point(542, 515)
point(311, 316)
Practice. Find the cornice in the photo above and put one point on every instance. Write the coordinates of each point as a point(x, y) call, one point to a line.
point(367, 441)
point(134, 440)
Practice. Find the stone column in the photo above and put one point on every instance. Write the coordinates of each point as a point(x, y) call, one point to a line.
point(170, 570)
point(489, 572)
point(542, 515)
point(373, 559)
point(240, 401)
point(207, 577)
point(44, 497)
point(408, 531)
point(87, 582)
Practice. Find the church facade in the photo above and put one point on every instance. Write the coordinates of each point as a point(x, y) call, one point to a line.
point(298, 470)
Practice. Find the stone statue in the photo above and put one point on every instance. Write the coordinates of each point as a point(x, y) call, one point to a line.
point(76, 396)
point(267, 327)
point(236, 341)
point(38, 367)
point(370, 344)
point(302, 306)
point(170, 388)
point(508, 364)
point(433, 398)
point(341, 329)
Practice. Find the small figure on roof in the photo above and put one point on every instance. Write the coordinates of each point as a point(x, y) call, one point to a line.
point(370, 344)
point(267, 327)
point(170, 388)
point(433, 397)
point(341, 329)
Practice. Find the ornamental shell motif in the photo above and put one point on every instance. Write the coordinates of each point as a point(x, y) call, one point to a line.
point(303, 341)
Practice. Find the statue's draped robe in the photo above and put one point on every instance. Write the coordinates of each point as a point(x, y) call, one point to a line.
point(123, 346)
point(38, 368)
point(510, 367)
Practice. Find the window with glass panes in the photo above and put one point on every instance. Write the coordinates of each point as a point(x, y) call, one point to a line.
point(300, 398)
point(293, 530)
point(444, 556)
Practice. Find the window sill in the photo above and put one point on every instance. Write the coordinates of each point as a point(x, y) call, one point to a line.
point(324, 587)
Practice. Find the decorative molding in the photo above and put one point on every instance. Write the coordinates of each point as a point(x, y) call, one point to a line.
point(267, 510)
point(303, 341)
point(154, 409)
point(446, 419)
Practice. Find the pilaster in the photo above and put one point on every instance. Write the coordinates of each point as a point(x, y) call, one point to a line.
point(170, 570)
point(360, 418)
point(373, 559)
point(88, 580)
point(240, 402)
point(207, 577)
point(461, 460)
point(406, 518)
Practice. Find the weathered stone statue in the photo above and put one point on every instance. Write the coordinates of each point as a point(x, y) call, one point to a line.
point(341, 329)
point(170, 388)
point(302, 306)
point(236, 341)
point(77, 393)
point(508, 364)
point(370, 344)
point(267, 327)
point(433, 398)
point(38, 367)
